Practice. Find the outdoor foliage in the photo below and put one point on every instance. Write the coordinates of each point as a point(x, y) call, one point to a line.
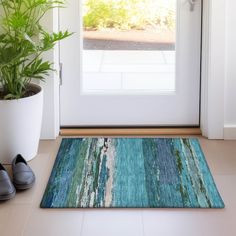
point(128, 14)
point(22, 42)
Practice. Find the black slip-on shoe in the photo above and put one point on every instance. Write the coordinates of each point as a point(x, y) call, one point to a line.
point(7, 189)
point(23, 176)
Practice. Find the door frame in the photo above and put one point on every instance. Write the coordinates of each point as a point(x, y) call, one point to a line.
point(213, 69)
point(212, 75)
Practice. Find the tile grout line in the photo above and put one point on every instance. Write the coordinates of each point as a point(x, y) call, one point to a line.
point(127, 72)
point(142, 222)
point(122, 82)
point(162, 62)
point(138, 63)
point(27, 220)
point(82, 224)
point(164, 57)
point(101, 63)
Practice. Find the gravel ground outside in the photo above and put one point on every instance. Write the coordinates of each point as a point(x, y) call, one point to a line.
point(129, 40)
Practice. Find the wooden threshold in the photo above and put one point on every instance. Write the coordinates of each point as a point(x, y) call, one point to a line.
point(128, 131)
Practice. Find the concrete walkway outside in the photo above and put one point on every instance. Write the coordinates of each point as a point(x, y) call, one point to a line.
point(124, 71)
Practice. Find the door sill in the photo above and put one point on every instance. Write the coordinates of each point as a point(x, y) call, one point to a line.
point(128, 131)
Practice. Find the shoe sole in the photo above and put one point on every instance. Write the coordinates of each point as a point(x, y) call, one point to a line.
point(23, 187)
point(8, 196)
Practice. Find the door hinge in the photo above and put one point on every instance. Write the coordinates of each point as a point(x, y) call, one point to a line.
point(60, 73)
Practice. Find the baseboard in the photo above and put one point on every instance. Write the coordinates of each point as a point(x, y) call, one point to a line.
point(129, 131)
point(230, 132)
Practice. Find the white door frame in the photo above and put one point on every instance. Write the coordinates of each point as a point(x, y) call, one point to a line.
point(213, 68)
point(212, 82)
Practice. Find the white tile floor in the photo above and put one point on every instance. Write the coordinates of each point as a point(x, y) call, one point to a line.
point(23, 217)
point(113, 70)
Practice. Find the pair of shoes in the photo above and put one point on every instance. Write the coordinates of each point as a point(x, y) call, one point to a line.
point(23, 178)
point(7, 189)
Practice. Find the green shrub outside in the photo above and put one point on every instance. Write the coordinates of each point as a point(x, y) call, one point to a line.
point(128, 14)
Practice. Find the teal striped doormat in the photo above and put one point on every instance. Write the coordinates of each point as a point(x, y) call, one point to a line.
point(131, 172)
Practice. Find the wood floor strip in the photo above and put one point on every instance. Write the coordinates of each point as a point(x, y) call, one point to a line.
point(129, 131)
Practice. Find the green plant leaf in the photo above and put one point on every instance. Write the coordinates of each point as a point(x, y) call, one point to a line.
point(17, 21)
point(37, 70)
point(22, 41)
point(49, 40)
point(2, 38)
point(10, 96)
point(9, 55)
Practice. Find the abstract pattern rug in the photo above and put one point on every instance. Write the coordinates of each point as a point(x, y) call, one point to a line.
point(131, 172)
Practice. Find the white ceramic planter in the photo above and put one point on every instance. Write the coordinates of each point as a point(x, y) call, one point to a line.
point(20, 126)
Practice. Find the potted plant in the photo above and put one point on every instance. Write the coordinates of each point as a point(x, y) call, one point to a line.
point(23, 40)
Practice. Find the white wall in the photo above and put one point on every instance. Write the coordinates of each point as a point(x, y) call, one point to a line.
point(230, 76)
point(218, 109)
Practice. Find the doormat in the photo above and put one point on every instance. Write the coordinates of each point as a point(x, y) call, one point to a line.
point(131, 173)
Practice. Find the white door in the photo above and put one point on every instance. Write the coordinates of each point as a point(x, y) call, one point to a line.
point(131, 87)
